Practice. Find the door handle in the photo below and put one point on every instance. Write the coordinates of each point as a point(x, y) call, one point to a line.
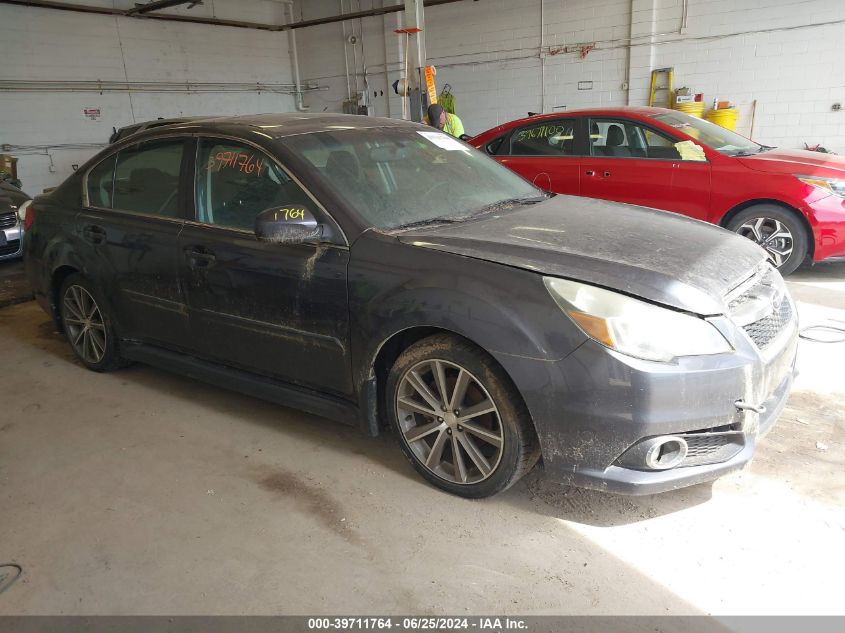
point(607, 174)
point(199, 258)
point(94, 234)
point(590, 172)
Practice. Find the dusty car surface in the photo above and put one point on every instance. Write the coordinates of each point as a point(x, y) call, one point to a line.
point(378, 272)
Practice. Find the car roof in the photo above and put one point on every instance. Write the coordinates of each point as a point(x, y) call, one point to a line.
point(642, 111)
point(276, 125)
point(601, 111)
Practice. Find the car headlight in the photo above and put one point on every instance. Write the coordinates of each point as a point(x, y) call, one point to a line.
point(635, 327)
point(22, 210)
point(835, 186)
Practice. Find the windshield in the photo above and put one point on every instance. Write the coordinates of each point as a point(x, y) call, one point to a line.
point(394, 177)
point(710, 134)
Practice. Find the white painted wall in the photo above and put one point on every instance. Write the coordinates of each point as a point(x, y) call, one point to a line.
point(489, 51)
point(46, 45)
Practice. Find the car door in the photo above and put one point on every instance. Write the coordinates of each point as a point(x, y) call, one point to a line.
point(133, 211)
point(546, 153)
point(635, 163)
point(273, 308)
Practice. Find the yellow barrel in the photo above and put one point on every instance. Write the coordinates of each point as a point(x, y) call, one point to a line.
point(693, 108)
point(725, 117)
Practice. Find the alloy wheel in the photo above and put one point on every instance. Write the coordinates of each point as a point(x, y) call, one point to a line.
point(773, 235)
point(449, 421)
point(84, 324)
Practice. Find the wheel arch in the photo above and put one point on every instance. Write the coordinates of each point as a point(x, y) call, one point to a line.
point(393, 346)
point(736, 210)
point(57, 278)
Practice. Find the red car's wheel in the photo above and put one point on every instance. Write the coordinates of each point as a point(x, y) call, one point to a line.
point(778, 230)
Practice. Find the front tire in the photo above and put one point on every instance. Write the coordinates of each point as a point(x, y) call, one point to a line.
point(88, 325)
point(778, 231)
point(459, 419)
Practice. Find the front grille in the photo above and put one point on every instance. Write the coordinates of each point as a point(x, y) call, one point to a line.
point(762, 307)
point(764, 331)
point(10, 248)
point(8, 219)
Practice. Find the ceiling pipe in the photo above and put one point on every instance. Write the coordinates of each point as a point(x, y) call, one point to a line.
point(170, 17)
point(294, 59)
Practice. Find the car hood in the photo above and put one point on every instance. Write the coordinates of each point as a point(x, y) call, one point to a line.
point(11, 197)
point(658, 256)
point(796, 161)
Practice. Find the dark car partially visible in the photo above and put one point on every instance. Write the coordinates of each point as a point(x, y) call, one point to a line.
point(381, 273)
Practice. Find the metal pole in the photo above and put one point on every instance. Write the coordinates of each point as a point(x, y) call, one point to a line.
point(415, 19)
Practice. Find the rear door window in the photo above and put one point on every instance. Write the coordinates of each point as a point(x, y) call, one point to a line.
point(101, 184)
point(547, 138)
point(146, 178)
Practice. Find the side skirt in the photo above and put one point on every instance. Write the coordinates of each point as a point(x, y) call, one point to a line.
point(247, 383)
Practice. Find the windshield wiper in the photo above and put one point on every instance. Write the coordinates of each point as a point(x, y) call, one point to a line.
point(427, 222)
point(759, 150)
point(507, 202)
point(445, 219)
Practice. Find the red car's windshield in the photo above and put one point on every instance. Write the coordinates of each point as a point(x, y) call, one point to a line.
point(713, 136)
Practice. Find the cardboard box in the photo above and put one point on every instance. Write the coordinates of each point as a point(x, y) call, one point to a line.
point(9, 165)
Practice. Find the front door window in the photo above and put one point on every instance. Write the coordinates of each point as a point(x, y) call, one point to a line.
point(236, 182)
point(620, 138)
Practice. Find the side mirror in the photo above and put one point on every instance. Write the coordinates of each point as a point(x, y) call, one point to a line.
point(287, 224)
point(464, 137)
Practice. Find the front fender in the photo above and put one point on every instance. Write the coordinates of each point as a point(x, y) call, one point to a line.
point(505, 311)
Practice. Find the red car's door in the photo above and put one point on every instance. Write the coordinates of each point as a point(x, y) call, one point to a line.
point(545, 153)
point(631, 162)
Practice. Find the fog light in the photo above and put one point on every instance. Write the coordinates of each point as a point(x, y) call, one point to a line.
point(664, 453)
point(656, 453)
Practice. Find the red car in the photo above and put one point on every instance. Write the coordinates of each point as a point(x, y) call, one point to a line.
point(791, 202)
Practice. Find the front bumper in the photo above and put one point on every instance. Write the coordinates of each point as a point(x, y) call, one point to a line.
point(827, 219)
point(595, 404)
point(11, 242)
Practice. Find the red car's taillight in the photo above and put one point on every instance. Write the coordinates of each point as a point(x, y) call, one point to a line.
point(29, 218)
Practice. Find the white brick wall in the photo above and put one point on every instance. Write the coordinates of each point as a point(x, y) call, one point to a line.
point(794, 75)
point(486, 50)
point(46, 45)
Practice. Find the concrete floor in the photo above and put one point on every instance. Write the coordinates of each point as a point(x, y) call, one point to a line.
point(146, 493)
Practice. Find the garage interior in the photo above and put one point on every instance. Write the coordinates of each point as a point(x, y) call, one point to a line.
point(145, 492)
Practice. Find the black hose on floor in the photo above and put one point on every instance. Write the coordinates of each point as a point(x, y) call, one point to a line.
point(832, 334)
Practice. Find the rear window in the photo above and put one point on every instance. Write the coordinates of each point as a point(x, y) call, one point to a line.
point(146, 178)
point(100, 184)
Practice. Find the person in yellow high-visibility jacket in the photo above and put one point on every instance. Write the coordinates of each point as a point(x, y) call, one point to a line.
point(444, 121)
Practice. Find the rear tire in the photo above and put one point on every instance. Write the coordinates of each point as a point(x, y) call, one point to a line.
point(460, 420)
point(777, 230)
point(88, 325)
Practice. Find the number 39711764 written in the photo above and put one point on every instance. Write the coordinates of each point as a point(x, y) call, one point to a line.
point(242, 161)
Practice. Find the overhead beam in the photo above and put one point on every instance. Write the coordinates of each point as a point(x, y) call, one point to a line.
point(358, 14)
point(159, 4)
point(169, 17)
